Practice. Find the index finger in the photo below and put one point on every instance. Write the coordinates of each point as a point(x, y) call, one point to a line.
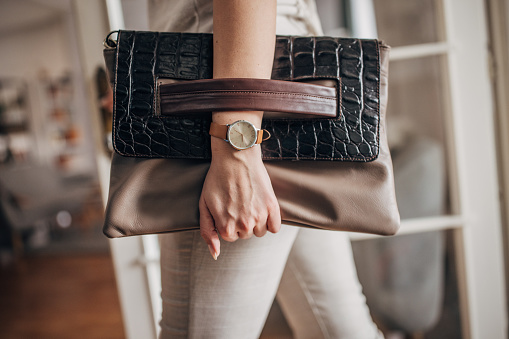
point(208, 230)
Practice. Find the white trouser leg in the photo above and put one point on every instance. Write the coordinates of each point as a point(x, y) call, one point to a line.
point(230, 298)
point(227, 298)
point(320, 293)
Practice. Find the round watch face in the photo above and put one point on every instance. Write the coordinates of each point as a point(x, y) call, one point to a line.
point(242, 134)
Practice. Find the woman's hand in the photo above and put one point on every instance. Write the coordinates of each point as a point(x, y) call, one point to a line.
point(237, 197)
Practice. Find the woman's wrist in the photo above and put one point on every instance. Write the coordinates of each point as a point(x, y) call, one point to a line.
point(224, 151)
point(224, 118)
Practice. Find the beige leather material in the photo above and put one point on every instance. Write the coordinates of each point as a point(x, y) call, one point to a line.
point(161, 195)
point(241, 94)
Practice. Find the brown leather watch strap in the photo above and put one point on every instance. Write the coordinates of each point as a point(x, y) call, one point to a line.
point(243, 94)
point(218, 131)
point(259, 139)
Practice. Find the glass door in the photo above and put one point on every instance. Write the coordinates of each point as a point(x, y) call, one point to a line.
point(442, 275)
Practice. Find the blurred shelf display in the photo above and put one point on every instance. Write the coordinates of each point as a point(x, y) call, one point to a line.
point(49, 189)
point(47, 192)
point(63, 134)
point(15, 139)
point(13, 106)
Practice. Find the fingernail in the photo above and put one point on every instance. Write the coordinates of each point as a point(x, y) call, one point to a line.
point(212, 252)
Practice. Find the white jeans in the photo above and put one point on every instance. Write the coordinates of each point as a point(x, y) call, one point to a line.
point(311, 272)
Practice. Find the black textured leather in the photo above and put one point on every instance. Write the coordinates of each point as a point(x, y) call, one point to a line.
point(143, 57)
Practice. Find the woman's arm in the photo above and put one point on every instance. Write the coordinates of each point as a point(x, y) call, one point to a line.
point(237, 196)
point(244, 42)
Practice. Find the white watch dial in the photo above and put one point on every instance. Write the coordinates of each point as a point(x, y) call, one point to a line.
point(242, 134)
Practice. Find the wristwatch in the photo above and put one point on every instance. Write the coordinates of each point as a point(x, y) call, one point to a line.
point(241, 134)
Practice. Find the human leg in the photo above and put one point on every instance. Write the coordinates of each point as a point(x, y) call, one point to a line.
point(227, 298)
point(319, 292)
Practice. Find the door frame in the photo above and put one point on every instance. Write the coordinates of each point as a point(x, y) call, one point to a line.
point(498, 26)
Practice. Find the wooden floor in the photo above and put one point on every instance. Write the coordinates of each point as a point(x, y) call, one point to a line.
point(74, 297)
point(71, 296)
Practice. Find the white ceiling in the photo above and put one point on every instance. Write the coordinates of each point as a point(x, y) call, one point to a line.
point(18, 15)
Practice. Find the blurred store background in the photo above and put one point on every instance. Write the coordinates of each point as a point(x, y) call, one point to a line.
point(448, 116)
point(56, 274)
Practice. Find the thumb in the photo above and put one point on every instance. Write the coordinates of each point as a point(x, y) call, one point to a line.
point(208, 230)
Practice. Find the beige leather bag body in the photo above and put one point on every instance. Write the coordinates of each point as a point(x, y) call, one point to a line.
point(327, 157)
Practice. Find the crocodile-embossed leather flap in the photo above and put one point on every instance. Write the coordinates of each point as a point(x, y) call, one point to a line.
point(144, 57)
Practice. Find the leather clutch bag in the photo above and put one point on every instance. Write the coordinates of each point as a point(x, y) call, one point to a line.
point(327, 157)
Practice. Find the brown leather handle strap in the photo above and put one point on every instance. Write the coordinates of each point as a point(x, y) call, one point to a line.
point(243, 94)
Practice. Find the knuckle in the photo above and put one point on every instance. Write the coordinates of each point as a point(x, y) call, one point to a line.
point(274, 226)
point(229, 239)
point(244, 227)
point(244, 220)
point(246, 223)
point(228, 233)
point(260, 231)
point(274, 205)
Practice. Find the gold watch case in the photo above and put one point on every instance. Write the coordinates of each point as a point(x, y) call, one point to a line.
point(242, 134)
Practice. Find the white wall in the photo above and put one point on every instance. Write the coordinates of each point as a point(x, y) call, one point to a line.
point(26, 52)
